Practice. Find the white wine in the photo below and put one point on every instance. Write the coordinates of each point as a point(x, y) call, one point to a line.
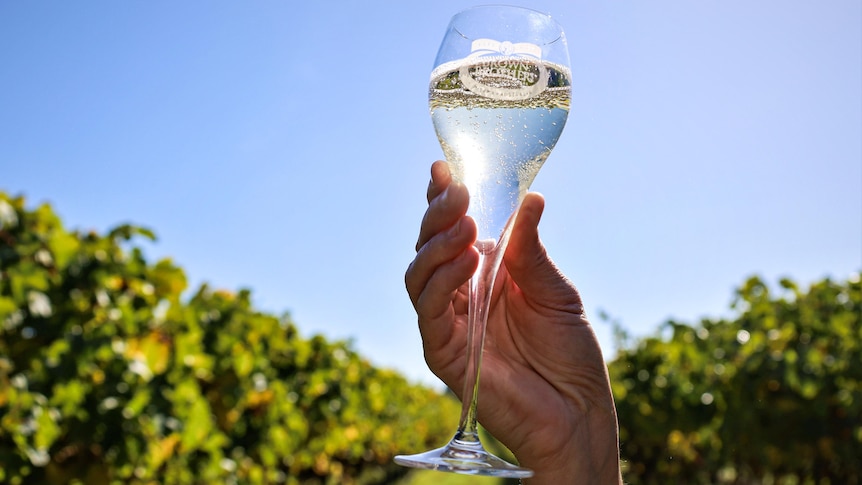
point(497, 120)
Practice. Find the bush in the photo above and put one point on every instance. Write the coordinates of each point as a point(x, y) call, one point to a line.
point(107, 375)
point(773, 395)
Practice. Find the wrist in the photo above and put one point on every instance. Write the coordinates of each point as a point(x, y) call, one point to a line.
point(590, 457)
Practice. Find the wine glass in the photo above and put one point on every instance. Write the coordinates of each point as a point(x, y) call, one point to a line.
point(499, 97)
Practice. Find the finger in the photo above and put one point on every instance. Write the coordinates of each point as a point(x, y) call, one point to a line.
point(439, 250)
point(528, 263)
point(525, 250)
point(440, 178)
point(443, 211)
point(437, 297)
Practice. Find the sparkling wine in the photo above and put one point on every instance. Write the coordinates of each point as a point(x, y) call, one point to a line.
point(497, 120)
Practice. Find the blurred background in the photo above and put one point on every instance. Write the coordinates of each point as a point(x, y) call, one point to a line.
point(284, 148)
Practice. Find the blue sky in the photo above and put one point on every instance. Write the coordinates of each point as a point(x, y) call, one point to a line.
point(284, 147)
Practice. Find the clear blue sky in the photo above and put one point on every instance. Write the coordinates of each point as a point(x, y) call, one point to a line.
point(284, 147)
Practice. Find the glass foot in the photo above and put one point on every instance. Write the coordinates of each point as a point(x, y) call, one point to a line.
point(468, 458)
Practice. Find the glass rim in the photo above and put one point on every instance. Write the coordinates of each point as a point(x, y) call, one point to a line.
point(558, 27)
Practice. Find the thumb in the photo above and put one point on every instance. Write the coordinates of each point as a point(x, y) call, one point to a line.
point(528, 262)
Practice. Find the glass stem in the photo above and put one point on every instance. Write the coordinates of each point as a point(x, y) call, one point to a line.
point(481, 288)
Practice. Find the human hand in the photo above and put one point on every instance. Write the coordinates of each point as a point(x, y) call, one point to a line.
point(544, 390)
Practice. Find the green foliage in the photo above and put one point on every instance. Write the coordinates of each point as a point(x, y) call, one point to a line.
point(432, 477)
point(773, 395)
point(107, 375)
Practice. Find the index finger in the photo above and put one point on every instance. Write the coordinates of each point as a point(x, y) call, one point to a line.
point(440, 179)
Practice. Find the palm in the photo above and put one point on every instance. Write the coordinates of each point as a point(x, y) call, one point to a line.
point(527, 347)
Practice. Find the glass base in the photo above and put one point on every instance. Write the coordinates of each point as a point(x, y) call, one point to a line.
point(468, 458)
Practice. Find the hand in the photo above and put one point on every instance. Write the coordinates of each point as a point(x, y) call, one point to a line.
point(544, 390)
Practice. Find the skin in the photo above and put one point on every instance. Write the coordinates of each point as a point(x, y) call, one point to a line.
point(544, 390)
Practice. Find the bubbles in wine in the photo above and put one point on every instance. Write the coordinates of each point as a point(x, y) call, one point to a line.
point(498, 128)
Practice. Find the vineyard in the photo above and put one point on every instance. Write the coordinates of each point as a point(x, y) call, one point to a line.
point(113, 371)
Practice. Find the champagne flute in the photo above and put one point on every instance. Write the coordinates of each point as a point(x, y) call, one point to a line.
point(499, 98)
